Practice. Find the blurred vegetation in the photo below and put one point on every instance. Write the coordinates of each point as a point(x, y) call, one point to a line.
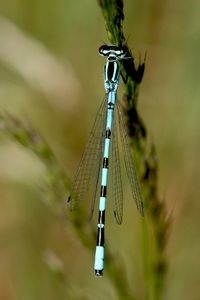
point(51, 82)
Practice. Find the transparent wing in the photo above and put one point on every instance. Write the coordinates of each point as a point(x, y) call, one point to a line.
point(117, 191)
point(129, 163)
point(96, 176)
point(87, 174)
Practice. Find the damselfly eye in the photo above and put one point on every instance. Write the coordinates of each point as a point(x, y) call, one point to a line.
point(123, 51)
point(104, 50)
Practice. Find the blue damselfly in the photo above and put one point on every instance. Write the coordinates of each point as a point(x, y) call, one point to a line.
point(94, 165)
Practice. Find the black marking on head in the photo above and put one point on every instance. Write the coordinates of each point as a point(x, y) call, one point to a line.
point(112, 51)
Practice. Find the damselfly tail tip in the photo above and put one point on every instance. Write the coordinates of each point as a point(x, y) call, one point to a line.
point(98, 273)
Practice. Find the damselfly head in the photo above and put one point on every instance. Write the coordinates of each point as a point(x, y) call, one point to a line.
point(112, 52)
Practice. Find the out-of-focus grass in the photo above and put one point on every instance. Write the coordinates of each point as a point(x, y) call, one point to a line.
point(41, 257)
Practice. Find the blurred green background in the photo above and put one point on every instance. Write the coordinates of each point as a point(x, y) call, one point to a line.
point(51, 76)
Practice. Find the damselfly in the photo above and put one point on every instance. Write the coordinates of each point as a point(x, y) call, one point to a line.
point(94, 165)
